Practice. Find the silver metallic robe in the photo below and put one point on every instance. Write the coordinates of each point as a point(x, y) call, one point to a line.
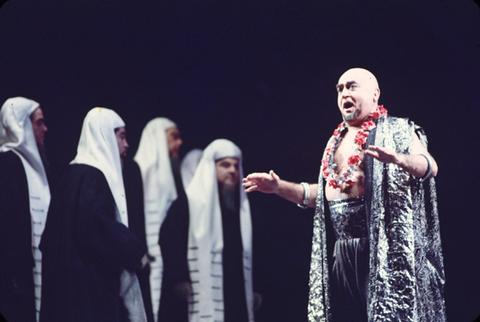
point(406, 279)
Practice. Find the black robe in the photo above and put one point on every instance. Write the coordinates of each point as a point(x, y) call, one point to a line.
point(17, 289)
point(84, 250)
point(174, 245)
point(132, 179)
point(234, 297)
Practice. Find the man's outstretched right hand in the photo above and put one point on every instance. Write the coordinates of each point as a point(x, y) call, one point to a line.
point(263, 182)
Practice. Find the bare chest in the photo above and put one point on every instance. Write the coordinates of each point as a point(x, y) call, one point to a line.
point(347, 148)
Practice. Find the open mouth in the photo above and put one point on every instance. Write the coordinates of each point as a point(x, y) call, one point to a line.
point(347, 105)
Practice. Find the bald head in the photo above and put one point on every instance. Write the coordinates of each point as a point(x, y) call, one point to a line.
point(358, 94)
point(361, 75)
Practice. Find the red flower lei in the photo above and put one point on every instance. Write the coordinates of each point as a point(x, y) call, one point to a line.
point(329, 167)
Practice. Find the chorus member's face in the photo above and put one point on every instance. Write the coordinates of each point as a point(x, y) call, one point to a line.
point(121, 136)
point(39, 127)
point(357, 95)
point(174, 141)
point(227, 171)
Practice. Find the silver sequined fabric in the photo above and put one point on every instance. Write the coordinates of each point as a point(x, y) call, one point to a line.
point(348, 218)
point(406, 279)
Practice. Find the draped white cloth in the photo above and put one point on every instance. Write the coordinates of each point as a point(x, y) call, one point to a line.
point(98, 148)
point(16, 135)
point(159, 190)
point(189, 165)
point(205, 243)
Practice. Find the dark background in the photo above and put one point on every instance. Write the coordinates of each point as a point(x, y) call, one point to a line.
point(263, 74)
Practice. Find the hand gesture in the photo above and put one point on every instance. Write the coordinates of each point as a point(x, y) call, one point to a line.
point(382, 154)
point(263, 182)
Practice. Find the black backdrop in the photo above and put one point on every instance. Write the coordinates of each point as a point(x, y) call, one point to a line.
point(262, 74)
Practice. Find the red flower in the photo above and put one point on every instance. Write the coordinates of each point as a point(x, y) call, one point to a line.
point(353, 160)
point(333, 184)
point(329, 149)
point(383, 111)
point(350, 182)
point(368, 125)
point(325, 167)
point(361, 138)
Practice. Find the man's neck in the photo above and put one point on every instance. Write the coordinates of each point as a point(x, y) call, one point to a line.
point(357, 124)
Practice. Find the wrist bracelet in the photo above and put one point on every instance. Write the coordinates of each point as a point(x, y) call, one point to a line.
point(429, 169)
point(306, 195)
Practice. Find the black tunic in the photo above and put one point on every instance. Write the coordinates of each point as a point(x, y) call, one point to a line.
point(234, 298)
point(132, 179)
point(84, 250)
point(17, 289)
point(174, 245)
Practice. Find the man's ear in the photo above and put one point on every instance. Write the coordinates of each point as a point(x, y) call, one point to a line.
point(376, 95)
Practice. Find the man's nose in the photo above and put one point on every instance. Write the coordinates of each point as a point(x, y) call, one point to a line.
point(345, 93)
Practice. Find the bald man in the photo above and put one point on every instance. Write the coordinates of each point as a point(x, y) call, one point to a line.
point(376, 185)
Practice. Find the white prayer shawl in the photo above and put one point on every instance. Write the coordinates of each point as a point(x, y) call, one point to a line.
point(16, 135)
point(153, 159)
point(98, 148)
point(189, 165)
point(205, 243)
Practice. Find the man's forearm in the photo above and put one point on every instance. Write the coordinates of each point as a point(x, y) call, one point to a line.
point(294, 192)
point(271, 183)
point(417, 164)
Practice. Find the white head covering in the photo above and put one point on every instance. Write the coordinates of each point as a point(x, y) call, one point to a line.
point(159, 191)
point(189, 165)
point(16, 135)
point(206, 236)
point(98, 148)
